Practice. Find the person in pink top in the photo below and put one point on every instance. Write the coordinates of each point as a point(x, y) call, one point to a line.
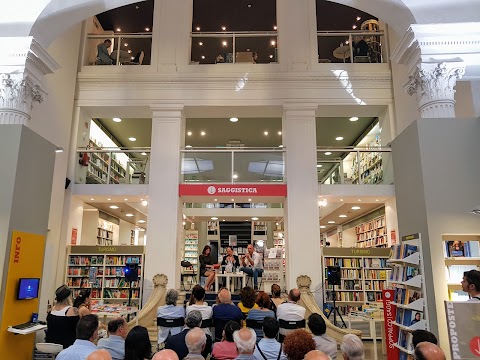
point(226, 349)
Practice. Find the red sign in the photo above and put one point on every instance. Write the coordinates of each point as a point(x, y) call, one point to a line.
point(393, 237)
point(74, 236)
point(391, 332)
point(233, 190)
point(475, 346)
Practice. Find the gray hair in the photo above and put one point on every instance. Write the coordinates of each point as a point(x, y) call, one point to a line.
point(224, 296)
point(193, 319)
point(171, 297)
point(352, 347)
point(195, 340)
point(245, 343)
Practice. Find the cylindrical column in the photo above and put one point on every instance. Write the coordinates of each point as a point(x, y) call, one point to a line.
point(301, 210)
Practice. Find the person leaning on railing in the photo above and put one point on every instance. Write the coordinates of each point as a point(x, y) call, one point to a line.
point(103, 57)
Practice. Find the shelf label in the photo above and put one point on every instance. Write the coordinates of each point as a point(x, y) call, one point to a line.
point(391, 332)
point(463, 321)
point(233, 190)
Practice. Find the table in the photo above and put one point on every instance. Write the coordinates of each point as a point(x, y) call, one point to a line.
point(229, 276)
point(115, 311)
point(373, 330)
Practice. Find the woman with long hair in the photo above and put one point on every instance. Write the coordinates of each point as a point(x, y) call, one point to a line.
point(206, 266)
point(82, 302)
point(263, 311)
point(137, 344)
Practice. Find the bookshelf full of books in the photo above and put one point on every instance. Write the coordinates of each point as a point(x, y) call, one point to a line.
point(407, 278)
point(279, 243)
point(190, 251)
point(462, 253)
point(101, 268)
point(372, 233)
point(273, 272)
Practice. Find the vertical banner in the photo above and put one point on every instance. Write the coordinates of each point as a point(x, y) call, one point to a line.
point(393, 237)
point(74, 236)
point(391, 333)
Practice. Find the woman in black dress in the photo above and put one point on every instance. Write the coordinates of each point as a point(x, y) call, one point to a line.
point(206, 267)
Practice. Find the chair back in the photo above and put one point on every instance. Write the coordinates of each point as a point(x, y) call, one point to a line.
point(170, 323)
point(255, 324)
point(220, 325)
point(291, 325)
point(207, 323)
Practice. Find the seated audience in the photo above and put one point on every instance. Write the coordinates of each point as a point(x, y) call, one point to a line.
point(428, 351)
point(323, 342)
point(245, 340)
point(115, 343)
point(252, 264)
point(170, 311)
point(62, 320)
point(99, 355)
point(226, 349)
point(290, 310)
point(268, 348)
point(103, 57)
point(471, 284)
point(352, 348)
point(419, 336)
point(317, 355)
point(195, 341)
point(262, 311)
point(82, 302)
point(165, 354)
point(177, 342)
point(247, 300)
point(297, 344)
point(276, 297)
point(84, 345)
point(137, 344)
point(224, 312)
point(196, 302)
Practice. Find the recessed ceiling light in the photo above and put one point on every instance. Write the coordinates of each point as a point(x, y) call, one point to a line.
point(188, 146)
point(132, 139)
point(144, 202)
point(214, 218)
point(322, 226)
point(203, 57)
point(354, 27)
point(197, 28)
point(270, 56)
point(144, 153)
point(254, 218)
point(279, 133)
point(118, 29)
point(141, 221)
point(235, 176)
point(272, 42)
point(125, 199)
point(129, 215)
point(358, 18)
point(265, 133)
point(354, 118)
point(224, 43)
point(214, 199)
point(184, 223)
point(338, 138)
point(342, 216)
point(233, 199)
point(341, 199)
point(109, 199)
point(117, 119)
point(377, 200)
point(189, 133)
point(355, 208)
point(249, 199)
point(203, 133)
point(224, 28)
point(200, 43)
point(233, 119)
point(359, 200)
point(126, 44)
point(147, 29)
point(113, 207)
point(331, 222)
point(328, 153)
point(92, 199)
point(280, 146)
point(130, 51)
point(319, 165)
point(275, 27)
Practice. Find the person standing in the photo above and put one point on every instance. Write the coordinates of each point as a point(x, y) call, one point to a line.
point(206, 266)
point(252, 265)
point(103, 57)
point(471, 284)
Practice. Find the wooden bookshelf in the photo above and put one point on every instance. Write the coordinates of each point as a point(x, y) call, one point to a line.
point(103, 168)
point(372, 233)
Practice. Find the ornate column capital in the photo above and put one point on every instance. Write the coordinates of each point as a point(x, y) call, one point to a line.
point(433, 84)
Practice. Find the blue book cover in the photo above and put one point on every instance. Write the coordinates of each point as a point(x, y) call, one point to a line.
point(407, 317)
point(409, 250)
point(399, 317)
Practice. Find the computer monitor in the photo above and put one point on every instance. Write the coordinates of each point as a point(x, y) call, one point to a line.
point(28, 288)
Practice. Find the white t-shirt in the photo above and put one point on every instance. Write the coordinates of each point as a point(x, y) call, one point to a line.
point(206, 312)
point(290, 312)
point(474, 299)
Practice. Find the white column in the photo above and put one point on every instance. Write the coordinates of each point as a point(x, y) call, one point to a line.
point(301, 213)
point(164, 208)
point(433, 84)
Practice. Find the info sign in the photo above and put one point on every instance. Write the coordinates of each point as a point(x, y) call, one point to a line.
point(463, 322)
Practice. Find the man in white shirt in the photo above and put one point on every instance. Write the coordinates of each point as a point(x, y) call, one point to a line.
point(252, 264)
point(290, 310)
point(115, 343)
point(471, 284)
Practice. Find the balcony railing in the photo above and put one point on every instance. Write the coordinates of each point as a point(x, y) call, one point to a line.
point(112, 166)
point(336, 46)
point(233, 165)
point(220, 47)
point(353, 165)
point(126, 49)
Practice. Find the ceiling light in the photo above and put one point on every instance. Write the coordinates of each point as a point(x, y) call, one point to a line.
point(118, 29)
point(233, 119)
point(235, 176)
point(322, 226)
point(197, 28)
point(147, 29)
point(275, 27)
point(249, 199)
point(117, 119)
point(319, 165)
point(126, 44)
point(214, 199)
point(141, 221)
point(59, 150)
point(113, 207)
point(322, 203)
point(341, 199)
point(338, 138)
point(189, 133)
point(254, 218)
point(129, 51)
point(233, 199)
point(128, 215)
point(354, 27)
point(184, 223)
point(377, 200)
point(354, 118)
point(279, 133)
point(224, 43)
point(265, 133)
point(328, 153)
point(248, 49)
point(125, 199)
point(144, 202)
point(203, 57)
point(92, 199)
point(358, 18)
point(355, 208)
point(249, 5)
point(223, 220)
point(270, 56)
point(346, 42)
point(280, 146)
point(188, 146)
point(203, 133)
point(224, 28)
point(214, 218)
point(342, 216)
point(109, 199)
point(132, 139)
point(331, 222)
point(143, 153)
point(359, 199)
point(200, 43)
point(132, 57)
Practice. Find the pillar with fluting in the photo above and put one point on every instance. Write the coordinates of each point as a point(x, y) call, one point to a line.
point(164, 207)
point(301, 210)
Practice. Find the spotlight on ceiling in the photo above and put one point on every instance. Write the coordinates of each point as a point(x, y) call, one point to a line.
point(132, 139)
point(144, 202)
point(338, 138)
point(355, 207)
point(254, 218)
point(116, 119)
point(113, 207)
point(354, 118)
point(214, 218)
point(233, 119)
point(328, 153)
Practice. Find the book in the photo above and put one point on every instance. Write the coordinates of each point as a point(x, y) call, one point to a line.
point(407, 318)
point(399, 316)
point(400, 296)
point(414, 295)
point(417, 316)
point(455, 248)
point(410, 272)
point(409, 250)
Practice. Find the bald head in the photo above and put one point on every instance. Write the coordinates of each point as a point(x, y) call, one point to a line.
point(428, 351)
point(224, 296)
point(99, 355)
point(294, 295)
point(166, 354)
point(195, 340)
point(316, 355)
point(245, 340)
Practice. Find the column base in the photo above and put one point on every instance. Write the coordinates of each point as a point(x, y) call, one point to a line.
point(13, 116)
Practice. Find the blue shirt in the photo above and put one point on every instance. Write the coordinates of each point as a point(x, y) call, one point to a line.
point(227, 312)
point(169, 312)
point(78, 351)
point(270, 348)
point(115, 345)
point(256, 314)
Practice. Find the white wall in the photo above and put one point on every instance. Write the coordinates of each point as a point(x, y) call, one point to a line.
point(349, 237)
point(124, 232)
point(89, 227)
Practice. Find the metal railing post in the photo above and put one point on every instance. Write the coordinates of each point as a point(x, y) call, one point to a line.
point(351, 47)
point(118, 50)
point(234, 39)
